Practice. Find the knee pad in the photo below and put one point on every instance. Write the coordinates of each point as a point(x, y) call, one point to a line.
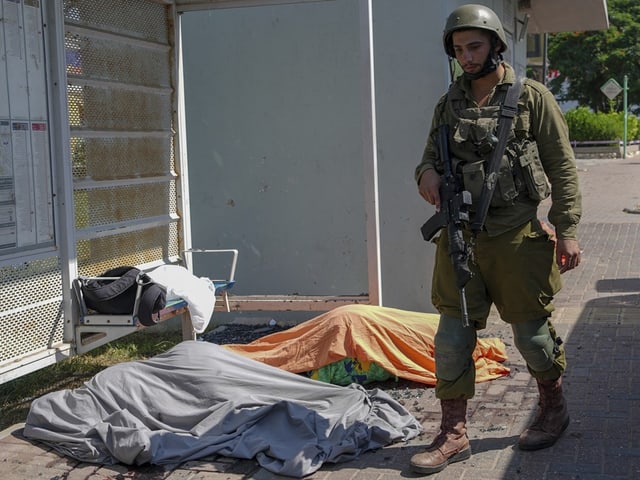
point(454, 345)
point(536, 343)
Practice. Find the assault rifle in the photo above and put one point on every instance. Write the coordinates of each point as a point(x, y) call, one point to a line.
point(454, 209)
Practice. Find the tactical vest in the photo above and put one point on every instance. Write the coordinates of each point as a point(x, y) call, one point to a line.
point(473, 138)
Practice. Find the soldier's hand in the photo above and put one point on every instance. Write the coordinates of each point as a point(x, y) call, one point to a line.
point(567, 254)
point(429, 187)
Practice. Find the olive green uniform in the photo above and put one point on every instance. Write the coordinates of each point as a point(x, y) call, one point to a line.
point(513, 258)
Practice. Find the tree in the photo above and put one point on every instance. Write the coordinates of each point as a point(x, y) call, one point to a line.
point(586, 60)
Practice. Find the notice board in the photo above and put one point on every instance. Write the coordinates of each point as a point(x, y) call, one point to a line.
point(26, 198)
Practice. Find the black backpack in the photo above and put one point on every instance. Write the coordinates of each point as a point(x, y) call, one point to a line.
point(117, 297)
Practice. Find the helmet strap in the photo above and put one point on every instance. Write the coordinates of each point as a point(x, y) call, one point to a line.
point(491, 63)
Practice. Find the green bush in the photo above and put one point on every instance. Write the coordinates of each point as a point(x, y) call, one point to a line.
point(585, 125)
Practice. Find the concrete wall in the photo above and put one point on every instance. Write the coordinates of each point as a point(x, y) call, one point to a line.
point(275, 150)
point(275, 156)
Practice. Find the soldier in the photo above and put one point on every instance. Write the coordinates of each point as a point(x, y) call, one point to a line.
point(516, 264)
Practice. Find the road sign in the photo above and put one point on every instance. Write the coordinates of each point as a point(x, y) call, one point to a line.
point(611, 88)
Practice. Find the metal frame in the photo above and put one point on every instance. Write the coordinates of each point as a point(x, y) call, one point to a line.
point(369, 139)
point(53, 35)
point(94, 329)
point(370, 148)
point(66, 236)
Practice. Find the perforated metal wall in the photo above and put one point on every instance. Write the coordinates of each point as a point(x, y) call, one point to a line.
point(30, 289)
point(141, 19)
point(121, 117)
point(30, 320)
point(134, 248)
point(119, 61)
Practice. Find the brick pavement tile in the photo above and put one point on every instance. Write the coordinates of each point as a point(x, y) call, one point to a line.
point(589, 451)
point(484, 460)
point(479, 474)
point(13, 450)
point(532, 464)
point(342, 474)
point(512, 397)
point(370, 465)
point(84, 471)
point(28, 455)
point(191, 475)
point(26, 471)
point(619, 463)
point(13, 435)
point(573, 468)
point(142, 472)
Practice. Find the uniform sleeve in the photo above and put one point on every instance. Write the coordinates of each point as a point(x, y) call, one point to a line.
point(430, 154)
point(549, 128)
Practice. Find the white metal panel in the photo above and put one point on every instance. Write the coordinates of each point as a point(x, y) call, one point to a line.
point(32, 313)
point(275, 122)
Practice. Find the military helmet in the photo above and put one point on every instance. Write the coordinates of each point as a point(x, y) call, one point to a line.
point(472, 16)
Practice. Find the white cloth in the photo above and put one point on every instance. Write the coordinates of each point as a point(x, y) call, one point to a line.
point(199, 293)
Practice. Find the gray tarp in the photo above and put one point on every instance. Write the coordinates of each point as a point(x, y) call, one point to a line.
point(200, 399)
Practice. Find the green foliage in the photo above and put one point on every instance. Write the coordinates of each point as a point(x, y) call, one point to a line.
point(588, 59)
point(586, 125)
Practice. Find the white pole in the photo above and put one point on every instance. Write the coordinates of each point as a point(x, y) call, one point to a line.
point(370, 152)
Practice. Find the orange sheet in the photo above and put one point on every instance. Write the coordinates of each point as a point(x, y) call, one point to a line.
point(399, 341)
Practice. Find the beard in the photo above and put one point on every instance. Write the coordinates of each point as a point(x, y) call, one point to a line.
point(490, 65)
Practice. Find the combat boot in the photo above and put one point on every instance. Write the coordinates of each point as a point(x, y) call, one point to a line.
point(552, 418)
point(451, 445)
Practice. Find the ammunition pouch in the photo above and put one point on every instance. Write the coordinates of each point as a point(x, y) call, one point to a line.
point(530, 172)
point(473, 175)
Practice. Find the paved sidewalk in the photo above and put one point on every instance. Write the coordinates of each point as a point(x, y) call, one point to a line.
point(598, 316)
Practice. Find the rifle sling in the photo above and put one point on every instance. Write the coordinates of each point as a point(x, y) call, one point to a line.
point(507, 112)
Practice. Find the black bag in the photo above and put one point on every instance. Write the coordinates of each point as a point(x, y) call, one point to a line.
point(117, 297)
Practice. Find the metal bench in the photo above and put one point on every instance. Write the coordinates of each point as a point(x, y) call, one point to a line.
point(93, 329)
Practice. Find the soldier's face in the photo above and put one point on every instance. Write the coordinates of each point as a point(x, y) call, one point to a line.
point(472, 47)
